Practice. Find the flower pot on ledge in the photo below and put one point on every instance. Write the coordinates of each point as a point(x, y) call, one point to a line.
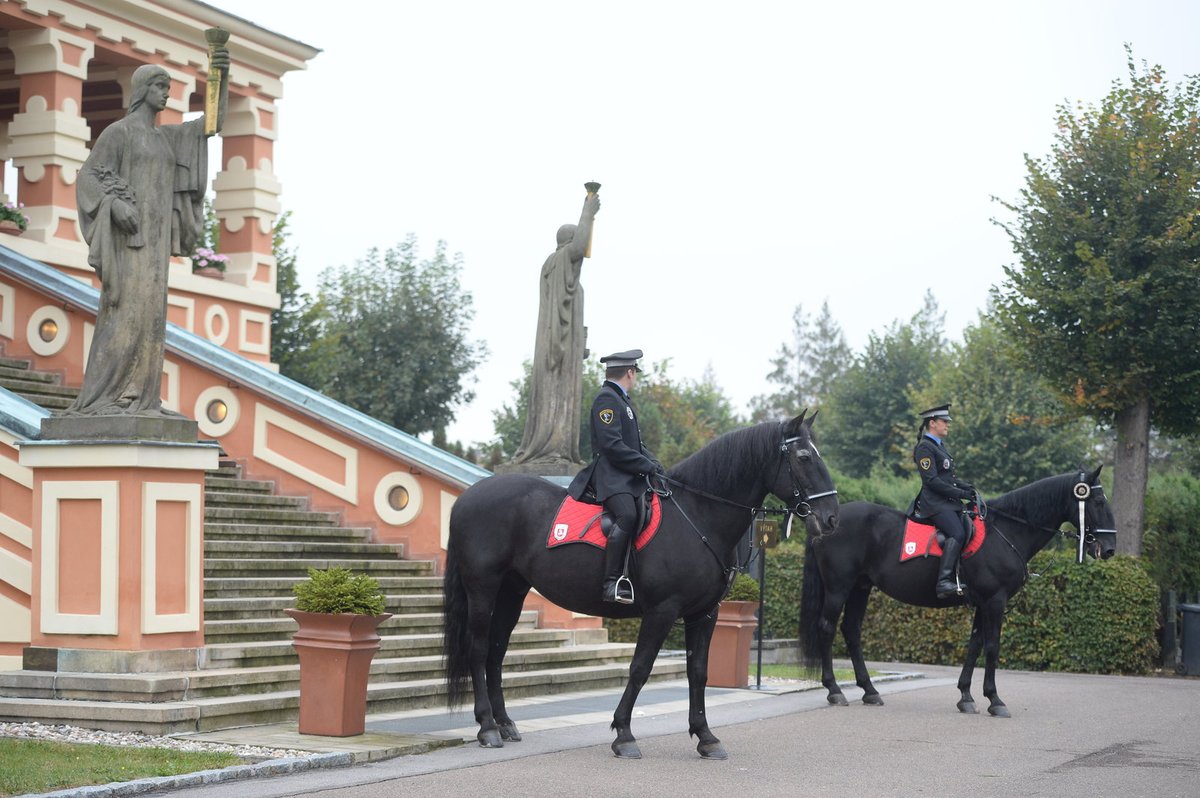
point(729, 651)
point(335, 651)
point(11, 228)
point(210, 271)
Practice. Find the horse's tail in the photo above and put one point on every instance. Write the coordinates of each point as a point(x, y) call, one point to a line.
point(812, 601)
point(456, 642)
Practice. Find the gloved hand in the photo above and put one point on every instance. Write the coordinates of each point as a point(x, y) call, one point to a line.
point(964, 485)
point(966, 495)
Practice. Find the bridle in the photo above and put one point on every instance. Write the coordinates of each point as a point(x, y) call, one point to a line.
point(1081, 492)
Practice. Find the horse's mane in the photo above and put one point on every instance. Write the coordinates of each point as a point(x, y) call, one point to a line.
point(723, 462)
point(1039, 499)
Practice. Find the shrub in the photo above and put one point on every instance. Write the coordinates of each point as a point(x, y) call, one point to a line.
point(744, 588)
point(337, 590)
point(1172, 540)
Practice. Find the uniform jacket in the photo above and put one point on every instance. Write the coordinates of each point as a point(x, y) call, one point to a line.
point(939, 487)
point(619, 460)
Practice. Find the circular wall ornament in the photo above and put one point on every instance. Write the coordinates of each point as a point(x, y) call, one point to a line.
point(217, 411)
point(48, 331)
point(398, 498)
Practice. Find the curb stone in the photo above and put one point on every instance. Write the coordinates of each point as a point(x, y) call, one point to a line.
point(274, 767)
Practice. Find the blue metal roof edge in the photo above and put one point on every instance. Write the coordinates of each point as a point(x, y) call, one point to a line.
point(238, 369)
point(20, 416)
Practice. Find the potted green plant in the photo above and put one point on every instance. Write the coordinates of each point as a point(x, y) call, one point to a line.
point(12, 219)
point(338, 613)
point(729, 651)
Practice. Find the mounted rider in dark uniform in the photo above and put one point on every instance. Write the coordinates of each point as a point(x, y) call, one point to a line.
point(941, 497)
point(619, 468)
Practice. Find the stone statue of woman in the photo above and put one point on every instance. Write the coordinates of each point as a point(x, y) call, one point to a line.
point(140, 195)
point(550, 444)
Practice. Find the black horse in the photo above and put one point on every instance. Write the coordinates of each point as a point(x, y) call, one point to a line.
point(841, 569)
point(497, 550)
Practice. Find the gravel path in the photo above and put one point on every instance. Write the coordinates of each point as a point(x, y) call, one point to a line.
point(73, 734)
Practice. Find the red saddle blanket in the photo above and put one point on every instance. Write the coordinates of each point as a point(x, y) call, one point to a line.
point(920, 540)
point(579, 522)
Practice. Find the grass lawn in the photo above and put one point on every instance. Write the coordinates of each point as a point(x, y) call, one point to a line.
point(40, 766)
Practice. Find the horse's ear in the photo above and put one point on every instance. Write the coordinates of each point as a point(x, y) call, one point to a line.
point(796, 424)
point(812, 418)
point(1095, 475)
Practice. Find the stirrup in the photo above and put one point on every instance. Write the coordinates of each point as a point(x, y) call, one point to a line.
point(617, 590)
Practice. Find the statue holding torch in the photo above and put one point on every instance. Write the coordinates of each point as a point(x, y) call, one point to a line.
point(550, 444)
point(141, 195)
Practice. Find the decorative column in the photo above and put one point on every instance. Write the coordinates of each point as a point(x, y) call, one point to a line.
point(247, 193)
point(48, 135)
point(118, 566)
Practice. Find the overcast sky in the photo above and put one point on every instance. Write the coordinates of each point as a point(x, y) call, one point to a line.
point(753, 155)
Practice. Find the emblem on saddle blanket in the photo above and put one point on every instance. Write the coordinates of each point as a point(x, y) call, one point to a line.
point(920, 540)
point(579, 522)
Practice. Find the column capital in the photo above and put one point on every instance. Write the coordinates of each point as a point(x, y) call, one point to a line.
point(50, 50)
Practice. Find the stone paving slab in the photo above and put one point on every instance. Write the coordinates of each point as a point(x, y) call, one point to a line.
point(370, 747)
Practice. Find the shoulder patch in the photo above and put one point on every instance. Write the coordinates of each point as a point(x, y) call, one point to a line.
point(606, 415)
point(924, 463)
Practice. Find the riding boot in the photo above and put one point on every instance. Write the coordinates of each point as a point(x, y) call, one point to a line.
point(617, 587)
point(946, 586)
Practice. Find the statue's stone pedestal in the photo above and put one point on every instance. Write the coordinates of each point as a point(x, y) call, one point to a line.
point(176, 429)
point(548, 467)
point(118, 562)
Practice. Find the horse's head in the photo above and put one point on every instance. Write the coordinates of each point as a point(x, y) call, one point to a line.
point(803, 482)
point(1099, 524)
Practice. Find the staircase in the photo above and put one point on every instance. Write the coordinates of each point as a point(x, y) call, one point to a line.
point(257, 546)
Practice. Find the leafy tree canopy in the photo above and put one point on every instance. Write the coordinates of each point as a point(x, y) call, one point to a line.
point(806, 368)
point(1106, 301)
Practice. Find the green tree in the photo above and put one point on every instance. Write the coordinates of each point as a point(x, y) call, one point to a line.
point(804, 369)
point(1008, 429)
point(1106, 301)
point(398, 326)
point(872, 421)
point(297, 346)
point(678, 417)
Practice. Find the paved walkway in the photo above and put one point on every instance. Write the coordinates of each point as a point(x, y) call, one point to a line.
point(1070, 735)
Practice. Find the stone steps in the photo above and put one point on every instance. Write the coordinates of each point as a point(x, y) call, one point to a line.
point(283, 532)
point(280, 549)
point(272, 515)
point(217, 567)
point(245, 709)
point(274, 585)
point(225, 609)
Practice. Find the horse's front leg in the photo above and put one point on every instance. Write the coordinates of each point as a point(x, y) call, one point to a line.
point(655, 627)
point(698, 633)
point(993, 618)
point(852, 621)
point(966, 702)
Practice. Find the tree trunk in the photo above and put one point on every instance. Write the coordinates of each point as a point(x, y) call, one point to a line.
point(1129, 482)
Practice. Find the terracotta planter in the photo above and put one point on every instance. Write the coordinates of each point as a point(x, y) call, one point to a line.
point(335, 661)
point(729, 652)
point(210, 271)
point(12, 228)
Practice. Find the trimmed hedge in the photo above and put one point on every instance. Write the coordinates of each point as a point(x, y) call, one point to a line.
point(1172, 540)
point(1099, 617)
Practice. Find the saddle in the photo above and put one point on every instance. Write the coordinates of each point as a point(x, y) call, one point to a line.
point(581, 522)
point(923, 540)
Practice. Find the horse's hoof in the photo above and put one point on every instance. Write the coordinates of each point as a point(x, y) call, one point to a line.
point(509, 733)
point(490, 739)
point(999, 711)
point(837, 699)
point(713, 750)
point(873, 700)
point(967, 707)
point(626, 749)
